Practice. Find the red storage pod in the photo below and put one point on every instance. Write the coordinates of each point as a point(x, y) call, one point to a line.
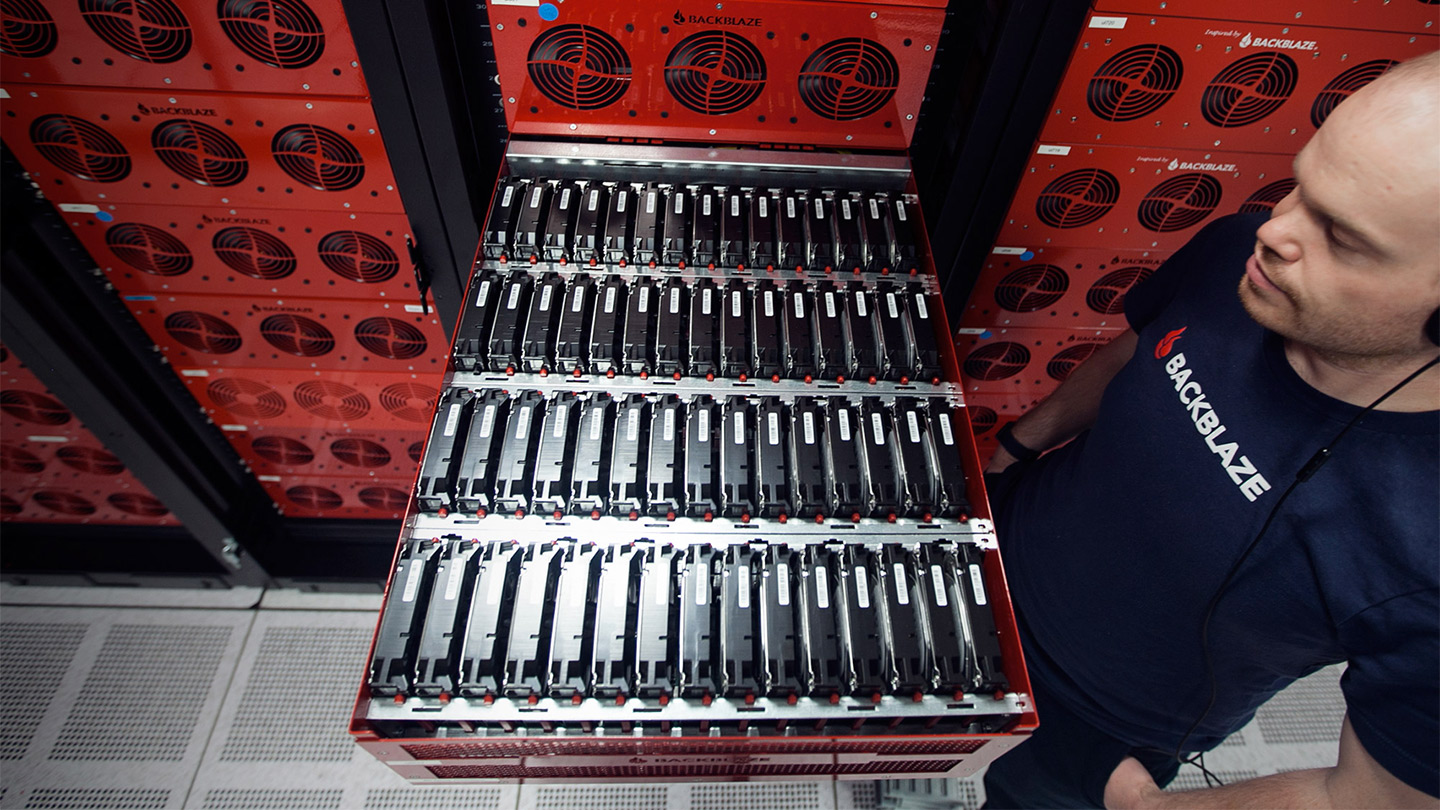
point(1057, 287)
point(1411, 17)
point(1028, 362)
point(262, 399)
point(357, 454)
point(323, 497)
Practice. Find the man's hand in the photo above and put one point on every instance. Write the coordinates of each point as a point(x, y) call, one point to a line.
point(1131, 787)
point(1000, 461)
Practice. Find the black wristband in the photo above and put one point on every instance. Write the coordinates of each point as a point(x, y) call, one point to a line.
point(1012, 445)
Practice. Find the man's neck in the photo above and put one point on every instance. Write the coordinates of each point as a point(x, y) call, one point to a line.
point(1361, 380)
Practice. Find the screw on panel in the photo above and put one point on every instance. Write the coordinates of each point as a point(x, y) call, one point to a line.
point(874, 14)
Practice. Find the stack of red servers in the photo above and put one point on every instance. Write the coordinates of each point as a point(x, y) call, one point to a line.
point(222, 164)
point(1160, 124)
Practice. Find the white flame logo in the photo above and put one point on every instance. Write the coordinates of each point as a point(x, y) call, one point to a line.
point(1174, 164)
point(1245, 40)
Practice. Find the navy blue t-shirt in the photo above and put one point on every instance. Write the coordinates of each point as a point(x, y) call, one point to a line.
point(1115, 543)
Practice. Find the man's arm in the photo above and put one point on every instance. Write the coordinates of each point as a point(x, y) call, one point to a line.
point(1357, 780)
point(1073, 406)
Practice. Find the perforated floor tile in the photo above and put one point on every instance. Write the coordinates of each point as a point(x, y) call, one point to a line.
point(1311, 710)
point(33, 653)
point(601, 797)
point(753, 796)
point(441, 798)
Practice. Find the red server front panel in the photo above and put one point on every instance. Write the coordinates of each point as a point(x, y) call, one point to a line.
point(249, 252)
point(258, 400)
point(1214, 84)
point(342, 497)
point(1056, 287)
point(204, 149)
point(359, 454)
point(1404, 16)
point(1027, 363)
point(833, 74)
point(1148, 198)
point(300, 333)
point(249, 46)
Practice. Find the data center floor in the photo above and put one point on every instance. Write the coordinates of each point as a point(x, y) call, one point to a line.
point(239, 700)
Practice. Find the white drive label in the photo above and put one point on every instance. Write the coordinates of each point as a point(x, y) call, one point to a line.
point(844, 414)
point(545, 293)
point(492, 596)
point(1048, 149)
point(487, 422)
point(822, 587)
point(577, 303)
point(902, 588)
point(514, 296)
point(565, 200)
point(937, 581)
point(508, 198)
point(862, 586)
point(679, 202)
point(597, 424)
point(700, 595)
point(735, 205)
point(874, 209)
point(819, 208)
point(484, 293)
point(900, 209)
point(650, 203)
point(769, 303)
point(594, 199)
point(808, 420)
point(194, 372)
point(829, 304)
point(860, 305)
point(790, 207)
point(764, 207)
point(457, 575)
point(560, 421)
point(1107, 22)
point(702, 421)
point(674, 300)
point(644, 298)
point(620, 202)
point(739, 427)
point(945, 431)
point(782, 583)
point(890, 302)
point(914, 422)
point(705, 297)
point(452, 419)
point(921, 308)
point(632, 425)
point(610, 299)
point(845, 208)
point(705, 205)
point(735, 304)
point(877, 427)
point(774, 424)
point(742, 587)
point(669, 424)
point(978, 583)
point(522, 422)
point(412, 582)
point(535, 197)
point(799, 305)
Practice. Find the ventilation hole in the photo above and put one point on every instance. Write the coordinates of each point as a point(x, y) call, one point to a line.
point(237, 799)
point(603, 797)
point(297, 335)
point(1341, 87)
point(384, 499)
point(80, 148)
point(1180, 202)
point(715, 72)
point(1249, 89)
point(579, 67)
point(318, 157)
point(996, 361)
point(202, 332)
point(135, 503)
point(120, 690)
point(246, 398)
point(1107, 296)
point(35, 657)
point(331, 400)
point(26, 29)
point(415, 451)
point(358, 257)
point(1077, 198)
point(283, 450)
point(409, 401)
point(848, 79)
point(982, 419)
point(254, 253)
point(149, 250)
point(9, 507)
point(1033, 287)
point(1266, 198)
point(314, 497)
point(360, 453)
point(390, 338)
point(1310, 710)
point(63, 503)
point(28, 406)
point(19, 460)
point(801, 796)
point(199, 152)
point(98, 799)
point(1198, 781)
point(281, 33)
point(148, 30)
point(1134, 82)
point(1067, 359)
point(436, 798)
point(90, 460)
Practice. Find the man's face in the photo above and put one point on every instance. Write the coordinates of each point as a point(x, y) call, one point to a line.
point(1349, 262)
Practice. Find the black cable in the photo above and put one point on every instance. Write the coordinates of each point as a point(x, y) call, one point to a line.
point(1309, 469)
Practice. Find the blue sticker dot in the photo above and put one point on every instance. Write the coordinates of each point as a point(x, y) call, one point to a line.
point(986, 335)
point(549, 11)
point(1027, 255)
point(104, 216)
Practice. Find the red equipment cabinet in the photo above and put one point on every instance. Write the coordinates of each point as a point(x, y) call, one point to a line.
point(359, 454)
point(277, 46)
point(1028, 362)
point(1357, 15)
point(261, 399)
point(1056, 287)
point(327, 497)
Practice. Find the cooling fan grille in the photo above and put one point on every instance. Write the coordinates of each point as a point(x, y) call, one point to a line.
point(80, 148)
point(1180, 202)
point(996, 361)
point(579, 67)
point(1067, 359)
point(149, 30)
point(90, 460)
point(358, 257)
point(360, 452)
point(1077, 198)
point(149, 249)
point(246, 398)
point(1107, 296)
point(254, 253)
point(64, 503)
point(203, 332)
point(9, 507)
point(1033, 287)
point(281, 33)
point(981, 418)
point(412, 402)
point(137, 504)
point(297, 335)
point(26, 29)
point(848, 79)
point(1339, 88)
point(384, 498)
point(390, 338)
point(1267, 197)
point(331, 400)
point(314, 497)
point(715, 72)
point(199, 152)
point(28, 406)
point(1249, 89)
point(19, 460)
point(1135, 82)
point(318, 157)
point(283, 450)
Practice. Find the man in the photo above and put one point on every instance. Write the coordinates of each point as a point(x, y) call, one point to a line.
point(1164, 550)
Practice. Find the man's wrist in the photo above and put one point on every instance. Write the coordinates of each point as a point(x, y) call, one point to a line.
point(1006, 438)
